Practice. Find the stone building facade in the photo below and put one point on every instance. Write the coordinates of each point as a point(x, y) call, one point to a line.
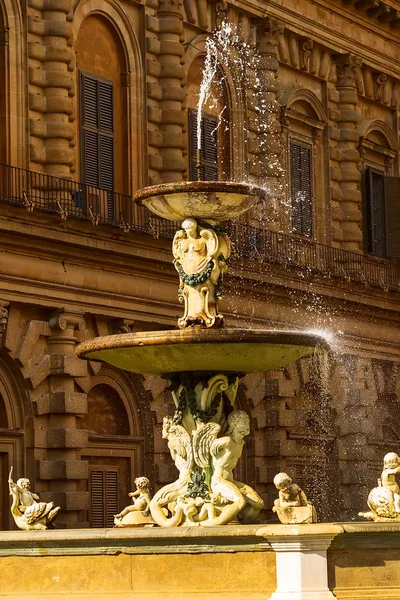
point(95, 101)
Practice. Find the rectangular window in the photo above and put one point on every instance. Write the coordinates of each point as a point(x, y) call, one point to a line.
point(301, 188)
point(103, 496)
point(392, 211)
point(97, 136)
point(376, 212)
point(209, 148)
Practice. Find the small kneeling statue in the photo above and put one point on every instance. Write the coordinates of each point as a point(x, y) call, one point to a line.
point(28, 513)
point(292, 506)
point(137, 513)
point(384, 500)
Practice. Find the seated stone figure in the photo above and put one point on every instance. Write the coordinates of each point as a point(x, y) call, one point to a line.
point(137, 513)
point(384, 500)
point(292, 505)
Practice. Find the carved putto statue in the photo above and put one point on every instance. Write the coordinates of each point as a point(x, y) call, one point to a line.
point(384, 500)
point(292, 506)
point(137, 513)
point(206, 493)
point(27, 511)
point(200, 257)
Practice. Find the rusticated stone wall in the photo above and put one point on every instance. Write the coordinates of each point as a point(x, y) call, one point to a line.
point(349, 207)
point(171, 92)
point(51, 86)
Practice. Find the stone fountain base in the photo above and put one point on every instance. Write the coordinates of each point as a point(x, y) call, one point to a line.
point(350, 561)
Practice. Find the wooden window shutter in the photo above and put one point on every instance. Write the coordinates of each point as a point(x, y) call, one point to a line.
point(301, 188)
point(209, 147)
point(392, 193)
point(97, 135)
point(104, 496)
point(376, 217)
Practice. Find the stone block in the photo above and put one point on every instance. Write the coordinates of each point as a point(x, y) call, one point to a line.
point(155, 138)
point(66, 364)
point(67, 500)
point(349, 116)
point(348, 96)
point(153, 46)
point(174, 140)
point(153, 68)
point(171, 48)
point(152, 24)
point(279, 387)
point(67, 438)
point(62, 403)
point(348, 135)
point(154, 114)
point(351, 173)
point(173, 117)
point(334, 133)
point(155, 162)
point(174, 163)
point(173, 71)
point(171, 25)
point(63, 469)
point(59, 154)
point(173, 93)
point(154, 91)
point(333, 95)
point(350, 155)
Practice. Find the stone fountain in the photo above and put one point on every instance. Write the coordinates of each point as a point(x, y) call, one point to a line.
point(203, 359)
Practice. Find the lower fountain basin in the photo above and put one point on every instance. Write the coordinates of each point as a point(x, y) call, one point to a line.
point(213, 201)
point(166, 353)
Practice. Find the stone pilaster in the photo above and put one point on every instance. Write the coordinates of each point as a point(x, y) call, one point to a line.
point(51, 88)
point(270, 143)
point(171, 91)
point(348, 214)
point(335, 174)
point(62, 468)
point(153, 70)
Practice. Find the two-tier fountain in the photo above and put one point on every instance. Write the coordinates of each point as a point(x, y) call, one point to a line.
point(203, 359)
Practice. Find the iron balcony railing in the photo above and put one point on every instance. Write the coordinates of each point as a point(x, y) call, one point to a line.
point(262, 247)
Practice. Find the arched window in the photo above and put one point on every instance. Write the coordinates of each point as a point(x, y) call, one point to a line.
point(381, 189)
point(116, 445)
point(214, 161)
point(103, 133)
point(304, 121)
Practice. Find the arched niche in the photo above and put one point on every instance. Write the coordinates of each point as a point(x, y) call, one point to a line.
point(101, 61)
point(377, 145)
point(305, 211)
point(225, 95)
point(118, 447)
point(13, 147)
point(15, 419)
point(106, 412)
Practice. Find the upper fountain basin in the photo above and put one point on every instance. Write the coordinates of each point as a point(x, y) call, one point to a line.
point(166, 353)
point(212, 201)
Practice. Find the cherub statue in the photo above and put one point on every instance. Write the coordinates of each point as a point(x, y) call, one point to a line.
point(384, 500)
point(234, 496)
point(137, 513)
point(200, 257)
point(292, 505)
point(180, 447)
point(27, 511)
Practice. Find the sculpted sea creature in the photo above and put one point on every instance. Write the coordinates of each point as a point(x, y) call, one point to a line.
point(384, 500)
point(180, 447)
point(27, 511)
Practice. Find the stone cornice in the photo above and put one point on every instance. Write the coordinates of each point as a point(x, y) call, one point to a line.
point(323, 34)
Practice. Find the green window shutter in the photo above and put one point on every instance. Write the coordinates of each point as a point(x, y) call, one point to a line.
point(209, 147)
point(301, 189)
point(97, 136)
point(376, 213)
point(392, 193)
point(104, 496)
